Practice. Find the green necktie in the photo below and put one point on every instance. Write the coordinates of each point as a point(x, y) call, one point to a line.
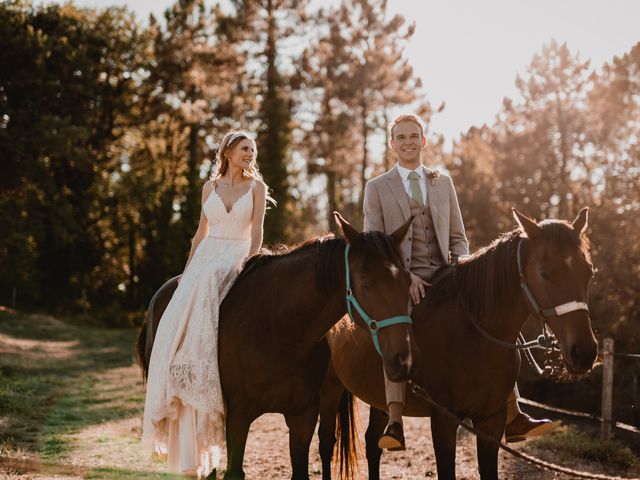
point(416, 192)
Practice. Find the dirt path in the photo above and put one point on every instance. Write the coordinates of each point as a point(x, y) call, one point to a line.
point(112, 450)
point(92, 424)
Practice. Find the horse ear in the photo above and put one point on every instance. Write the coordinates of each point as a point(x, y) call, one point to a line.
point(351, 235)
point(526, 224)
point(400, 233)
point(580, 223)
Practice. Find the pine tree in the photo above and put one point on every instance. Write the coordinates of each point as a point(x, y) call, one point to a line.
point(362, 74)
point(274, 134)
point(194, 90)
point(272, 24)
point(382, 77)
point(65, 83)
point(542, 138)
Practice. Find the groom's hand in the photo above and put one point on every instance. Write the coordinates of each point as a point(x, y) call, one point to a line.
point(417, 289)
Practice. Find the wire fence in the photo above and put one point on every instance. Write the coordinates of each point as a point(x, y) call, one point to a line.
point(626, 355)
point(573, 413)
point(607, 355)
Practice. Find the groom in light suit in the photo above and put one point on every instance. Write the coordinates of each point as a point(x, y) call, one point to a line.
point(436, 238)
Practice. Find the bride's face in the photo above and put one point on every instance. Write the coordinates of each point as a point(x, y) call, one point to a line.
point(243, 154)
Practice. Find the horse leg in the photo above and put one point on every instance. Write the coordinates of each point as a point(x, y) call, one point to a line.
point(330, 395)
point(238, 423)
point(488, 451)
point(377, 421)
point(327, 437)
point(443, 433)
point(301, 427)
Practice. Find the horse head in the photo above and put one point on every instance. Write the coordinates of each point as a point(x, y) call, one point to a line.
point(379, 284)
point(555, 267)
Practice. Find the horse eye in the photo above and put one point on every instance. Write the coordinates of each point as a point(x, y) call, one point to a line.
point(545, 275)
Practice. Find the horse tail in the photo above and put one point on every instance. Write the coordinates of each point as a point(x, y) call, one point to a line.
point(347, 436)
point(141, 345)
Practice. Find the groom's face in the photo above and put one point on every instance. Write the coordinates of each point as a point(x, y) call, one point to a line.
point(408, 141)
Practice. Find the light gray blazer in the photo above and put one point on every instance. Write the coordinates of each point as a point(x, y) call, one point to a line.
point(386, 208)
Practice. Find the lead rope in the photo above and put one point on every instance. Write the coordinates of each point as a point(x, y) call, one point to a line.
point(424, 395)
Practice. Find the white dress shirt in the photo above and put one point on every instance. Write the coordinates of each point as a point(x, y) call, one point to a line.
point(404, 175)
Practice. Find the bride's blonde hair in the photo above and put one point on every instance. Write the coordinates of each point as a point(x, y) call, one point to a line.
point(230, 140)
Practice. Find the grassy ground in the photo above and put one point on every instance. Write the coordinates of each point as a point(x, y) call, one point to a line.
point(587, 445)
point(70, 400)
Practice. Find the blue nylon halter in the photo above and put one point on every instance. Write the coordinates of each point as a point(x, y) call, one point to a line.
point(374, 325)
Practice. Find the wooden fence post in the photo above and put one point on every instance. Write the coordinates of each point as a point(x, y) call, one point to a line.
point(607, 390)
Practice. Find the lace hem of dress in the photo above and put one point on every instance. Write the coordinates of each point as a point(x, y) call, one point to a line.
point(209, 440)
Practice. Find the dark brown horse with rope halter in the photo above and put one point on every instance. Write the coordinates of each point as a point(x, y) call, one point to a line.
point(463, 327)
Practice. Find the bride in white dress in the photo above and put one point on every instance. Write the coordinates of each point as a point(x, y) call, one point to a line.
point(184, 408)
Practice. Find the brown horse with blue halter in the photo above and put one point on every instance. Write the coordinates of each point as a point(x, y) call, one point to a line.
point(272, 348)
point(373, 325)
point(466, 330)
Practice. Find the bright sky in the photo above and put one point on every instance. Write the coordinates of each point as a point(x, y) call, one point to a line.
point(468, 52)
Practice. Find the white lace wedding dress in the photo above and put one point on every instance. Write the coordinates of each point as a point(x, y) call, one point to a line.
point(184, 409)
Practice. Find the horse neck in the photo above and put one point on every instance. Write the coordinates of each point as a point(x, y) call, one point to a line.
point(309, 311)
point(493, 287)
point(323, 315)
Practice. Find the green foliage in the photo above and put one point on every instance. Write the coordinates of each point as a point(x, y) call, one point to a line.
point(103, 140)
point(119, 474)
point(582, 445)
point(61, 99)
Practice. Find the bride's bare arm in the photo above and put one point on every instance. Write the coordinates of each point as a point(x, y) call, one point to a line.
point(203, 226)
point(257, 220)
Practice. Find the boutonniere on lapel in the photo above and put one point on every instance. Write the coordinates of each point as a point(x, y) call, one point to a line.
point(433, 175)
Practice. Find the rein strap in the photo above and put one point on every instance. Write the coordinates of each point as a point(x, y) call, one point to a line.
point(543, 341)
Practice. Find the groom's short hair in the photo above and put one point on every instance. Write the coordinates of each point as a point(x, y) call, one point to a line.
point(406, 118)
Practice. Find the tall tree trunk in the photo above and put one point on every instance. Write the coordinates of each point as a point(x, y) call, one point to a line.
point(132, 296)
point(332, 200)
point(564, 160)
point(365, 152)
point(192, 206)
point(273, 138)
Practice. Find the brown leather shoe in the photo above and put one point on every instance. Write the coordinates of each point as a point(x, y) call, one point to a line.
point(393, 437)
point(523, 427)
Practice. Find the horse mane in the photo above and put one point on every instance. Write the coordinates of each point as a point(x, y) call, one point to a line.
point(329, 250)
point(485, 281)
